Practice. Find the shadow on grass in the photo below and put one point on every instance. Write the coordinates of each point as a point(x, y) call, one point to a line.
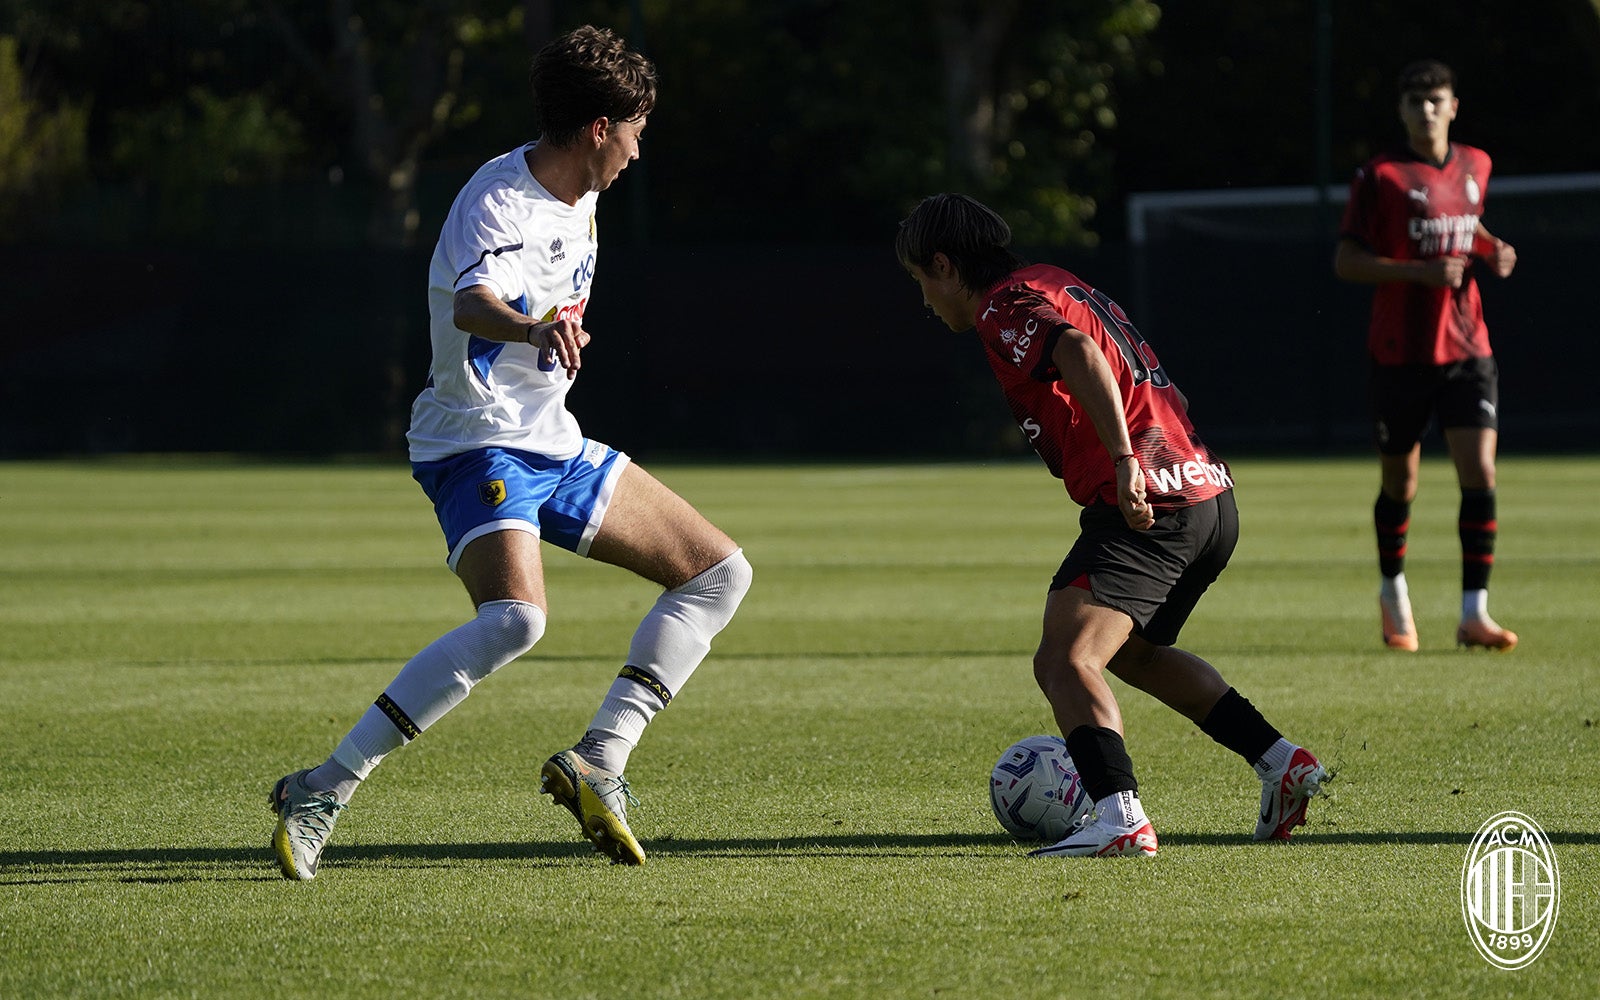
point(169, 865)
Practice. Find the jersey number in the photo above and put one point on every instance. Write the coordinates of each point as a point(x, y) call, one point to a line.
point(1140, 356)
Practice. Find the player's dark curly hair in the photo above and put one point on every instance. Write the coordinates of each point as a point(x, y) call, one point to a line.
point(964, 229)
point(588, 73)
point(1425, 75)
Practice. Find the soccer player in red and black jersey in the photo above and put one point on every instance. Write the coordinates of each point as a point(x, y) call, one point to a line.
point(1413, 228)
point(1158, 524)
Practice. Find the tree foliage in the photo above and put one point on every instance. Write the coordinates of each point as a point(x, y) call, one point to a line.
point(42, 149)
point(779, 121)
point(802, 119)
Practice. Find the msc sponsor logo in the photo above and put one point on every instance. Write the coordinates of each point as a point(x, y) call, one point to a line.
point(1510, 890)
point(1023, 341)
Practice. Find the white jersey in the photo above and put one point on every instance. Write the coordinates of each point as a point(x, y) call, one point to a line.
point(536, 253)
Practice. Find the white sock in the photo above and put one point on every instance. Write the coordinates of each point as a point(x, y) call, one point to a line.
point(435, 681)
point(1121, 809)
point(1474, 605)
point(332, 776)
point(669, 644)
point(1393, 588)
point(1275, 759)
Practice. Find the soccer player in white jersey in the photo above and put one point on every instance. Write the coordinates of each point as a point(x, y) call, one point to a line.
point(505, 464)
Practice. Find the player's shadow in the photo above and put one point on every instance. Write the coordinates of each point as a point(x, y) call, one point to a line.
point(168, 865)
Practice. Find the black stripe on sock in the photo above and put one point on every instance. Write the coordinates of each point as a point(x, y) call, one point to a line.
point(398, 716)
point(647, 679)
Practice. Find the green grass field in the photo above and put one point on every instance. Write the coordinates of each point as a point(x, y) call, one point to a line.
point(174, 636)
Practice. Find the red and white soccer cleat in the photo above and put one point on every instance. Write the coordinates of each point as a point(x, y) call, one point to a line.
point(1286, 793)
point(1485, 633)
point(1095, 838)
point(1399, 631)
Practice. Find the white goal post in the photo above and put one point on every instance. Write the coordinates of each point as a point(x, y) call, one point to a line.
point(1145, 206)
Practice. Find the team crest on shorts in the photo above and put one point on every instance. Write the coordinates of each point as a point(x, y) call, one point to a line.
point(1510, 890)
point(492, 493)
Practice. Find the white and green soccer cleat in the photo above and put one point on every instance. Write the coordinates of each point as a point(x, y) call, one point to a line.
point(598, 800)
point(305, 819)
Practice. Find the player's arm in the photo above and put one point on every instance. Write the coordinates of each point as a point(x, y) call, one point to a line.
point(1496, 252)
point(1354, 262)
point(480, 312)
point(1087, 376)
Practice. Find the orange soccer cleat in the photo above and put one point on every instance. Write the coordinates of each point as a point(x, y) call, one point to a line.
point(1399, 631)
point(1483, 632)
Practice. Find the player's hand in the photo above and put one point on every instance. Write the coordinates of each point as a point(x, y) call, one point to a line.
point(563, 338)
point(1130, 495)
point(1444, 272)
point(1503, 259)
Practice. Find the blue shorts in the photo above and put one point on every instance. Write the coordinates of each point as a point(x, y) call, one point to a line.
point(562, 501)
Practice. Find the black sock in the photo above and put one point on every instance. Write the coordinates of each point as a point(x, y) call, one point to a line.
point(1236, 724)
point(1391, 519)
point(1478, 530)
point(1102, 761)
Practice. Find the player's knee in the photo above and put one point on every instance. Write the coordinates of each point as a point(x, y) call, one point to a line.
point(719, 590)
point(516, 625)
point(1059, 674)
point(740, 575)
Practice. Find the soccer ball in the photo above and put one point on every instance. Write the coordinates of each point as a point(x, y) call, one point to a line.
point(1035, 789)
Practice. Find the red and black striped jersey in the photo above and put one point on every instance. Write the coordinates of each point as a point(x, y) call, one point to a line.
point(1021, 319)
point(1407, 208)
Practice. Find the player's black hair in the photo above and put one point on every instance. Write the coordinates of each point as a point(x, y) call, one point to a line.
point(1425, 75)
point(971, 234)
point(585, 74)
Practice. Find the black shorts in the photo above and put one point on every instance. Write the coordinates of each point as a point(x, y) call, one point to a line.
point(1460, 394)
point(1154, 576)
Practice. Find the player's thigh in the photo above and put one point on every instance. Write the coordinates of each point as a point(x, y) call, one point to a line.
point(1080, 631)
point(1079, 635)
point(657, 534)
point(503, 566)
point(1472, 449)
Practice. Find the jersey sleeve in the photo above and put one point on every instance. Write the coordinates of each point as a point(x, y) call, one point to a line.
point(1361, 211)
point(1024, 331)
point(482, 246)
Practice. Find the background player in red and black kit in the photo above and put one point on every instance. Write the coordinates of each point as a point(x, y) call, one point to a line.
point(1158, 525)
point(1412, 228)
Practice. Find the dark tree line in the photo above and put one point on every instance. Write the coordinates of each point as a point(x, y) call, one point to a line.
point(344, 122)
